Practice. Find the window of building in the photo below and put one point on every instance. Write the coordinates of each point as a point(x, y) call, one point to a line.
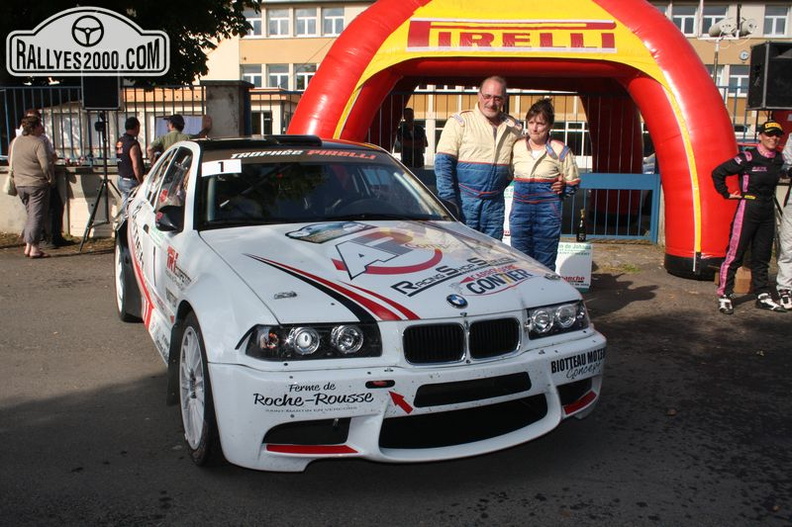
point(663, 8)
point(712, 15)
point(684, 17)
point(305, 22)
point(278, 76)
point(738, 80)
point(575, 135)
point(261, 123)
point(278, 22)
point(775, 21)
point(254, 19)
point(252, 74)
point(303, 75)
point(717, 76)
point(332, 21)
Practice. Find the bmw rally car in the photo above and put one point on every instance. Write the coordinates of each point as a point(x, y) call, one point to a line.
point(312, 299)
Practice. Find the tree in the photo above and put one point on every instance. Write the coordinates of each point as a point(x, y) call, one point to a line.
point(192, 25)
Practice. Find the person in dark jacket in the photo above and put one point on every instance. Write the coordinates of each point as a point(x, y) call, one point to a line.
point(758, 170)
point(130, 160)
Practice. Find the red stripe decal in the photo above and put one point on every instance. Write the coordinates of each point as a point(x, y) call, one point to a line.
point(378, 310)
point(580, 403)
point(315, 450)
point(404, 310)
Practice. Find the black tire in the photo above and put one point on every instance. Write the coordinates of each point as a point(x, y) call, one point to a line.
point(126, 290)
point(196, 404)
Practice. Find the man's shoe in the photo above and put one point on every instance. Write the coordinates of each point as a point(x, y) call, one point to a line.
point(725, 305)
point(63, 242)
point(765, 301)
point(785, 298)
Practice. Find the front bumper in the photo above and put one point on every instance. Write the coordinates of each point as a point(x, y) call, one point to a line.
point(281, 421)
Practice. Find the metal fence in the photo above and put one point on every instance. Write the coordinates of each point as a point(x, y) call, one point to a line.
point(80, 136)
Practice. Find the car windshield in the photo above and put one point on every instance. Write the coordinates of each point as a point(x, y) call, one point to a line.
point(296, 189)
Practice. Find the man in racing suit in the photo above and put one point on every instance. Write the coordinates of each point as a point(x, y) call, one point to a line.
point(473, 158)
point(759, 170)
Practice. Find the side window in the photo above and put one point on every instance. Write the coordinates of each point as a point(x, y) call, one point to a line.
point(174, 182)
point(155, 177)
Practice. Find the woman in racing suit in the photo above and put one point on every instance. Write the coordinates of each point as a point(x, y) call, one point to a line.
point(544, 173)
point(758, 170)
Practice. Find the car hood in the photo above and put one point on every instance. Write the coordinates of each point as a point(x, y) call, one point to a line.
point(337, 271)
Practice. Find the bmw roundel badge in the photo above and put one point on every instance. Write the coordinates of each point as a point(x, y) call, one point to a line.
point(457, 301)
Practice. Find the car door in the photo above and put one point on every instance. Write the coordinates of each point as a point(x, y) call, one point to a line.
point(144, 238)
point(171, 192)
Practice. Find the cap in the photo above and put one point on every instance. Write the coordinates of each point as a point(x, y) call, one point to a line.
point(771, 128)
point(176, 120)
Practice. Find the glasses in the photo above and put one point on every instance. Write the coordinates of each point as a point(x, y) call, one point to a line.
point(490, 97)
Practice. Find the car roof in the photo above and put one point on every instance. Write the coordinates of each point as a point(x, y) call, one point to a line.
point(275, 141)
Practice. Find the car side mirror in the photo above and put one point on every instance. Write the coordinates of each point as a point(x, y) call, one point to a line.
point(170, 218)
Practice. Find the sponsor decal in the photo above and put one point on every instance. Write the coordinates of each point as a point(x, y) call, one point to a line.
point(384, 253)
point(443, 273)
point(87, 41)
point(579, 366)
point(312, 398)
point(341, 153)
point(511, 36)
point(493, 280)
point(322, 232)
point(174, 271)
point(268, 153)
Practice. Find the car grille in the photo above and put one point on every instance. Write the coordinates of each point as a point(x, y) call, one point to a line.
point(437, 343)
point(442, 429)
point(472, 390)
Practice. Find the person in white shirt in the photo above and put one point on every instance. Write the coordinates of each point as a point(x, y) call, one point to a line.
point(784, 277)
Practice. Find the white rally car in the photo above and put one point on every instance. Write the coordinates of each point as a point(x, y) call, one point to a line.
point(312, 300)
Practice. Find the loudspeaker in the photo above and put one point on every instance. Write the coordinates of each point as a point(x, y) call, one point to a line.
point(101, 93)
point(770, 77)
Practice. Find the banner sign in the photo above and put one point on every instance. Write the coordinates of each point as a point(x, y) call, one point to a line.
point(87, 42)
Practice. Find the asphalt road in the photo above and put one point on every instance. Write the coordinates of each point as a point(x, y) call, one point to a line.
point(693, 427)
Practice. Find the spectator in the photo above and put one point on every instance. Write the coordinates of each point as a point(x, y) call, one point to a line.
point(473, 159)
point(412, 139)
point(130, 160)
point(758, 170)
point(53, 226)
point(544, 173)
point(31, 164)
point(175, 124)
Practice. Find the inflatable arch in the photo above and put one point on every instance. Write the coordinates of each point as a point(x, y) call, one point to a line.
point(582, 46)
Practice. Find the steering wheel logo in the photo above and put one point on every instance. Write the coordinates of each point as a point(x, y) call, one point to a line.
point(87, 31)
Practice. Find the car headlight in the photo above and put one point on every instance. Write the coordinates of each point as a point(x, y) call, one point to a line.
point(314, 341)
point(560, 318)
